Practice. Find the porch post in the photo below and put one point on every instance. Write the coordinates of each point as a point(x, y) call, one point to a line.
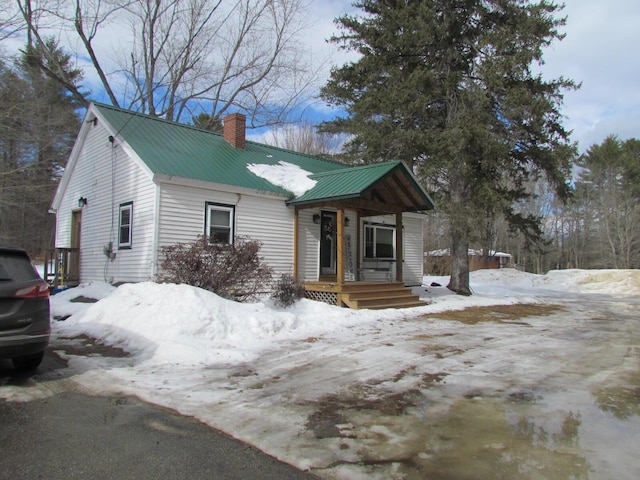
point(340, 247)
point(399, 245)
point(358, 248)
point(296, 225)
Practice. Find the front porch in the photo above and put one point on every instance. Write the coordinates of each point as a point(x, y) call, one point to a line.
point(362, 294)
point(349, 236)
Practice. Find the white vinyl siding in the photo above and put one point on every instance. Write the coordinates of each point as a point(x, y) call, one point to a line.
point(271, 222)
point(107, 176)
point(308, 245)
point(412, 269)
point(183, 216)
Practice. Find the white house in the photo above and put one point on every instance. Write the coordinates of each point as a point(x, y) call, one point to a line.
point(135, 183)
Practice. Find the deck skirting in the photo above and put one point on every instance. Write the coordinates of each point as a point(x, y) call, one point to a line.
point(360, 295)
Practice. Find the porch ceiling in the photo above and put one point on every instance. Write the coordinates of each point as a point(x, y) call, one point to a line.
point(379, 188)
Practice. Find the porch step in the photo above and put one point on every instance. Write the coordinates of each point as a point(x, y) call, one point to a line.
point(380, 295)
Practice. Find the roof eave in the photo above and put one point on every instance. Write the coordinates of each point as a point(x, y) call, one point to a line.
point(336, 198)
point(159, 178)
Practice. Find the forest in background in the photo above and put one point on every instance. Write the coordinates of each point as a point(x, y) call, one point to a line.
point(39, 122)
point(597, 227)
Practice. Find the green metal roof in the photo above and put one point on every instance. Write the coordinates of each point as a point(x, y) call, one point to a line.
point(344, 183)
point(178, 150)
point(356, 182)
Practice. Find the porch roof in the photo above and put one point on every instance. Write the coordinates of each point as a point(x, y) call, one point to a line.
point(387, 187)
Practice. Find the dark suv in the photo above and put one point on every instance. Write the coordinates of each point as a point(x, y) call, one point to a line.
point(24, 309)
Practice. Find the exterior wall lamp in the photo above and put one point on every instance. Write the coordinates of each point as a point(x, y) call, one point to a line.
point(346, 221)
point(82, 201)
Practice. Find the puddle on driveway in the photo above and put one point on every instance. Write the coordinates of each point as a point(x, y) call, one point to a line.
point(475, 438)
point(487, 438)
point(580, 422)
point(620, 395)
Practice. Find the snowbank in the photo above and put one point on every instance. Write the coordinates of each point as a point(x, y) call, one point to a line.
point(167, 323)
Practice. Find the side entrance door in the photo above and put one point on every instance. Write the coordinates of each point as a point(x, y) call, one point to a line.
point(73, 272)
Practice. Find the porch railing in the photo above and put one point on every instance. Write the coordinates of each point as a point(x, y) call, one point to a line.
point(62, 267)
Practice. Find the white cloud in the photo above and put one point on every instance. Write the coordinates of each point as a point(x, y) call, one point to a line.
point(599, 52)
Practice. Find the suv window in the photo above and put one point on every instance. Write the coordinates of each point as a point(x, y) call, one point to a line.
point(16, 266)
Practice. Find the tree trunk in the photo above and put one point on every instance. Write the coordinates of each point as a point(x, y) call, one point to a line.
point(459, 228)
point(459, 281)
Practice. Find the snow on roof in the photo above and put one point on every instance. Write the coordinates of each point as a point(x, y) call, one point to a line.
point(286, 175)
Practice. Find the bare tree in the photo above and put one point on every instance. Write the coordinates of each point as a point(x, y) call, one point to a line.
point(180, 58)
point(305, 138)
point(10, 21)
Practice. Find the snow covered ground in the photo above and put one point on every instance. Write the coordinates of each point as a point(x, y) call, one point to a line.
point(362, 394)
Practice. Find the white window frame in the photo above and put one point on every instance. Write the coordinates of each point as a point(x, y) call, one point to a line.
point(219, 207)
point(124, 207)
point(375, 227)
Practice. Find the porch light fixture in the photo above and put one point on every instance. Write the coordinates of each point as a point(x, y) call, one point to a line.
point(346, 221)
point(316, 218)
point(82, 201)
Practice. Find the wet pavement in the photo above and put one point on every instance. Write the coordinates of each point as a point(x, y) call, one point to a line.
point(71, 435)
point(547, 391)
point(579, 418)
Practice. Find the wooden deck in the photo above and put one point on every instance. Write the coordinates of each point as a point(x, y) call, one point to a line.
point(358, 295)
point(61, 267)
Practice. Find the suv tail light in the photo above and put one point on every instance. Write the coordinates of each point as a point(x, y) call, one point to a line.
point(36, 291)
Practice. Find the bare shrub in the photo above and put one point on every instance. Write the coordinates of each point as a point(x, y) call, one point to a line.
point(234, 271)
point(437, 265)
point(287, 291)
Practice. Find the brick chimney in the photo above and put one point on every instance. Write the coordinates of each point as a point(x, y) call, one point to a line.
point(234, 129)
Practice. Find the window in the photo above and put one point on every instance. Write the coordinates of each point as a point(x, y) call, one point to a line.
point(219, 222)
point(16, 267)
point(379, 241)
point(124, 225)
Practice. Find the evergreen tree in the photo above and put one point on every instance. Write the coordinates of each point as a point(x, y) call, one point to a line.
point(37, 130)
point(448, 87)
point(207, 122)
point(611, 177)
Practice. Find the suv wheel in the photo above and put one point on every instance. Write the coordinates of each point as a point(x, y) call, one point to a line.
point(28, 362)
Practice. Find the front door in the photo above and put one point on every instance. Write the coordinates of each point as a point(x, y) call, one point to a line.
point(328, 245)
point(73, 271)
